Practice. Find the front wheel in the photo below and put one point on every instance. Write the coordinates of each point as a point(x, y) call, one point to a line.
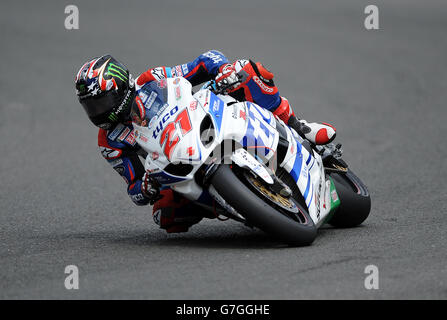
point(283, 218)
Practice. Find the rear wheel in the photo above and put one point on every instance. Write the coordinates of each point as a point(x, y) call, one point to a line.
point(284, 218)
point(355, 201)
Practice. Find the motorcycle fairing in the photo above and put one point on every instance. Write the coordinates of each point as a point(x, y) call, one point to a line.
point(308, 172)
point(178, 123)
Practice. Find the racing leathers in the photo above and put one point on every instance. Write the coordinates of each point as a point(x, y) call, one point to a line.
point(254, 83)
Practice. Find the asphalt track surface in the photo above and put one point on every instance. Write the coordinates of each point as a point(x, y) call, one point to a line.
point(384, 90)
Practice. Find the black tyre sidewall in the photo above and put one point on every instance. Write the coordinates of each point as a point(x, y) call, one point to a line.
point(259, 213)
point(354, 207)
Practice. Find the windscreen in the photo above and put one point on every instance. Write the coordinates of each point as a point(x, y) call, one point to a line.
point(151, 100)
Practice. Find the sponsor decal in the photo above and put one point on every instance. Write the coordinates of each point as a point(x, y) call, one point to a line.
point(317, 195)
point(262, 85)
point(216, 105)
point(137, 197)
point(112, 135)
point(234, 113)
point(156, 216)
point(206, 97)
point(178, 93)
point(123, 134)
point(131, 138)
point(158, 73)
point(334, 195)
point(151, 123)
point(109, 153)
point(178, 71)
point(117, 71)
point(176, 81)
point(193, 105)
point(258, 126)
point(116, 162)
point(304, 173)
point(151, 99)
point(190, 151)
point(162, 109)
point(142, 112)
point(143, 96)
point(164, 178)
point(162, 122)
point(131, 81)
point(162, 84)
point(240, 65)
point(143, 138)
point(242, 114)
point(119, 169)
point(123, 106)
point(185, 69)
point(214, 57)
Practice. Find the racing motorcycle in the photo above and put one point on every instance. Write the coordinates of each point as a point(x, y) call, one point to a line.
point(239, 161)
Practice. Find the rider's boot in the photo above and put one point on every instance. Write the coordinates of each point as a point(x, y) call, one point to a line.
point(174, 213)
point(317, 133)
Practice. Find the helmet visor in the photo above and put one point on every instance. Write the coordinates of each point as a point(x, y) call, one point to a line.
point(95, 106)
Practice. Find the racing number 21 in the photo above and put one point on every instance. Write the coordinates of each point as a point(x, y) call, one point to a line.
point(170, 132)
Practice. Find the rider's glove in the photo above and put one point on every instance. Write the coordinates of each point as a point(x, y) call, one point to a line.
point(227, 78)
point(150, 189)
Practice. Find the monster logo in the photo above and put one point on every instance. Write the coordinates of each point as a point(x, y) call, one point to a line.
point(114, 70)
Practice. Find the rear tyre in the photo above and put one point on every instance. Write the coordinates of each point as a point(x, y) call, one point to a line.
point(355, 201)
point(295, 231)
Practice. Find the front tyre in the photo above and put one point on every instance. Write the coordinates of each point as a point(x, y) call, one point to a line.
point(355, 201)
point(260, 212)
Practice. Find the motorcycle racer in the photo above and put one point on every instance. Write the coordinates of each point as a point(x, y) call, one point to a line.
point(106, 90)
